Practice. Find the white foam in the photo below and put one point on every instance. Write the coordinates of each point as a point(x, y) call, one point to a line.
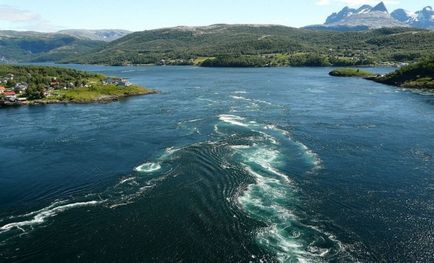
point(263, 102)
point(169, 151)
point(148, 167)
point(251, 100)
point(256, 201)
point(265, 157)
point(126, 180)
point(238, 147)
point(54, 204)
point(309, 153)
point(40, 216)
point(270, 138)
point(189, 121)
point(233, 119)
point(239, 98)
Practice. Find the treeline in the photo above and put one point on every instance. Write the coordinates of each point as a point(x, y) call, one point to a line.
point(236, 61)
point(241, 45)
point(43, 76)
point(294, 60)
point(416, 75)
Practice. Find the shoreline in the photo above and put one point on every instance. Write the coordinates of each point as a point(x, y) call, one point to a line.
point(380, 65)
point(106, 99)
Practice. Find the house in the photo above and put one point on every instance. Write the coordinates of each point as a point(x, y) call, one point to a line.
point(117, 82)
point(124, 83)
point(10, 96)
point(2, 89)
point(21, 87)
point(10, 76)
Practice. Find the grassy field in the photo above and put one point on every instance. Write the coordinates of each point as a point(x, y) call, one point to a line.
point(351, 72)
point(200, 60)
point(97, 93)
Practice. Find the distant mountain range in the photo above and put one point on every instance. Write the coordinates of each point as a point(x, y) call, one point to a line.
point(19, 46)
point(420, 19)
point(246, 44)
point(106, 35)
point(368, 17)
point(389, 37)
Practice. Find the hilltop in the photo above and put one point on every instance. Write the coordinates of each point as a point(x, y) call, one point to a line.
point(106, 35)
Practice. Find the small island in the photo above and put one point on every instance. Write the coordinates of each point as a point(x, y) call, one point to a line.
point(351, 72)
point(33, 85)
point(418, 75)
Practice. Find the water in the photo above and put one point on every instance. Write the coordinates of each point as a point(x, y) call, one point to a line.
point(233, 165)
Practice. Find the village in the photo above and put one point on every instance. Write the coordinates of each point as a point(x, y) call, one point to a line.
point(14, 93)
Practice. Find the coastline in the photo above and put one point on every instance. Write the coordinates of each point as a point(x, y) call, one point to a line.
point(105, 99)
point(382, 64)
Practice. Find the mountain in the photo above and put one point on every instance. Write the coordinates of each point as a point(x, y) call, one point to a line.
point(368, 17)
point(420, 19)
point(381, 7)
point(365, 17)
point(106, 35)
point(188, 45)
point(17, 46)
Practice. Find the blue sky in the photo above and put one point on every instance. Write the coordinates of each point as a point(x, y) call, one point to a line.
point(136, 15)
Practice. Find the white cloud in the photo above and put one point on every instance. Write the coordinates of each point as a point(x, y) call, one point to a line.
point(12, 14)
point(17, 19)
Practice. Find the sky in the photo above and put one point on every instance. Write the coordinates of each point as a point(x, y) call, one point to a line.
point(138, 15)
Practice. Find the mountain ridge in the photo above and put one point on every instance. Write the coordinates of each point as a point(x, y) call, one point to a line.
point(368, 17)
point(106, 35)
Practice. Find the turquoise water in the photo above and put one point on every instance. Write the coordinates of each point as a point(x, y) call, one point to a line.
point(226, 165)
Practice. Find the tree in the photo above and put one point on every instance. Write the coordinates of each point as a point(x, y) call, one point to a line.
point(35, 92)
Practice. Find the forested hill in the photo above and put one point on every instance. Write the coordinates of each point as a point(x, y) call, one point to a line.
point(417, 75)
point(264, 45)
point(18, 46)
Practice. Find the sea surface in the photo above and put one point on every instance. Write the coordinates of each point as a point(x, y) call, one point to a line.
point(223, 165)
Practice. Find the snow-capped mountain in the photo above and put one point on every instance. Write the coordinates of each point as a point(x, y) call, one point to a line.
point(368, 17)
point(421, 19)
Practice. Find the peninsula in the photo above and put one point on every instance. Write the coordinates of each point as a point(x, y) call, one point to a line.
point(418, 75)
point(30, 85)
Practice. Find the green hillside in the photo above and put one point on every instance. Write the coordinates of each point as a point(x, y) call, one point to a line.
point(39, 47)
point(417, 75)
point(264, 45)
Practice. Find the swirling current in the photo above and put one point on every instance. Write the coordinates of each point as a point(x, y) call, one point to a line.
point(224, 165)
